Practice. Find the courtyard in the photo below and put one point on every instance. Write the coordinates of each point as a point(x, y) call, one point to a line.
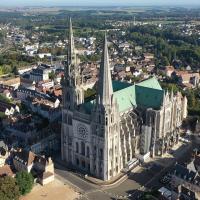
point(52, 191)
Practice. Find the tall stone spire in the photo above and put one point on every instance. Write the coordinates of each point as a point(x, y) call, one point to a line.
point(72, 68)
point(105, 89)
point(71, 47)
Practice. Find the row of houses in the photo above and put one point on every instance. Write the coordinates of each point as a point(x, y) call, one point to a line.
point(14, 161)
point(186, 79)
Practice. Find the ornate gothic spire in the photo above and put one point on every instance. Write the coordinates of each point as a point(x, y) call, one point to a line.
point(105, 89)
point(71, 47)
point(71, 69)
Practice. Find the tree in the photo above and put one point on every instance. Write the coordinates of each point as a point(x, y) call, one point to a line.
point(25, 182)
point(165, 61)
point(15, 70)
point(9, 189)
point(52, 75)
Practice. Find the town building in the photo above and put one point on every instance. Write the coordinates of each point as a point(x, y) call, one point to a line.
point(187, 79)
point(10, 81)
point(41, 73)
point(41, 168)
point(123, 122)
point(27, 83)
point(187, 178)
point(46, 108)
point(8, 109)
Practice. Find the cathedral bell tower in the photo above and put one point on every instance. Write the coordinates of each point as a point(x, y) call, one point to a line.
point(73, 94)
point(106, 123)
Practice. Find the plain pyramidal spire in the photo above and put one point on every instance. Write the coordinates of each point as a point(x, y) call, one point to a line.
point(105, 89)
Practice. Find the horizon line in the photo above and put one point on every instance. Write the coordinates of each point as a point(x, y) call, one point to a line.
point(106, 5)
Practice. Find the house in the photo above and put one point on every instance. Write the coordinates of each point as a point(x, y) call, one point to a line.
point(44, 170)
point(6, 92)
point(186, 78)
point(27, 83)
point(23, 93)
point(23, 130)
point(188, 177)
point(23, 160)
point(119, 67)
point(11, 81)
point(46, 108)
point(41, 73)
point(148, 56)
point(169, 70)
point(8, 109)
point(137, 72)
point(180, 193)
point(57, 91)
point(46, 84)
point(25, 69)
point(41, 168)
point(43, 55)
point(58, 77)
point(138, 48)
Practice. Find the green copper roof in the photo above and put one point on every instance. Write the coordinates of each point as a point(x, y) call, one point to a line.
point(146, 94)
point(118, 85)
point(148, 97)
point(151, 83)
point(125, 98)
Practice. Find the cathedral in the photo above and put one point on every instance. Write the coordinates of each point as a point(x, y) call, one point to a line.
point(122, 123)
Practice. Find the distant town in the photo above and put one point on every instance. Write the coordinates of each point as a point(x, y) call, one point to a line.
point(99, 103)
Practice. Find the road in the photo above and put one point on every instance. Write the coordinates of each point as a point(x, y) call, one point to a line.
point(147, 177)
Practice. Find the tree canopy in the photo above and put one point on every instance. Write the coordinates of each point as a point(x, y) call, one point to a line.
point(9, 189)
point(25, 182)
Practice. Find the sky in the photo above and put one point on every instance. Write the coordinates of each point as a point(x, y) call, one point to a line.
point(97, 2)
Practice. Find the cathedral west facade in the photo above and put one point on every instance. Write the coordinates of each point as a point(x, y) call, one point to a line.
point(123, 122)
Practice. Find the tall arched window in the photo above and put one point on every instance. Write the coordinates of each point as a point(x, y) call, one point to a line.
point(88, 152)
point(101, 154)
point(77, 147)
point(83, 148)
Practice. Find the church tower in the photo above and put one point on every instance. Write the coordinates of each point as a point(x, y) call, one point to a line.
point(106, 124)
point(73, 95)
